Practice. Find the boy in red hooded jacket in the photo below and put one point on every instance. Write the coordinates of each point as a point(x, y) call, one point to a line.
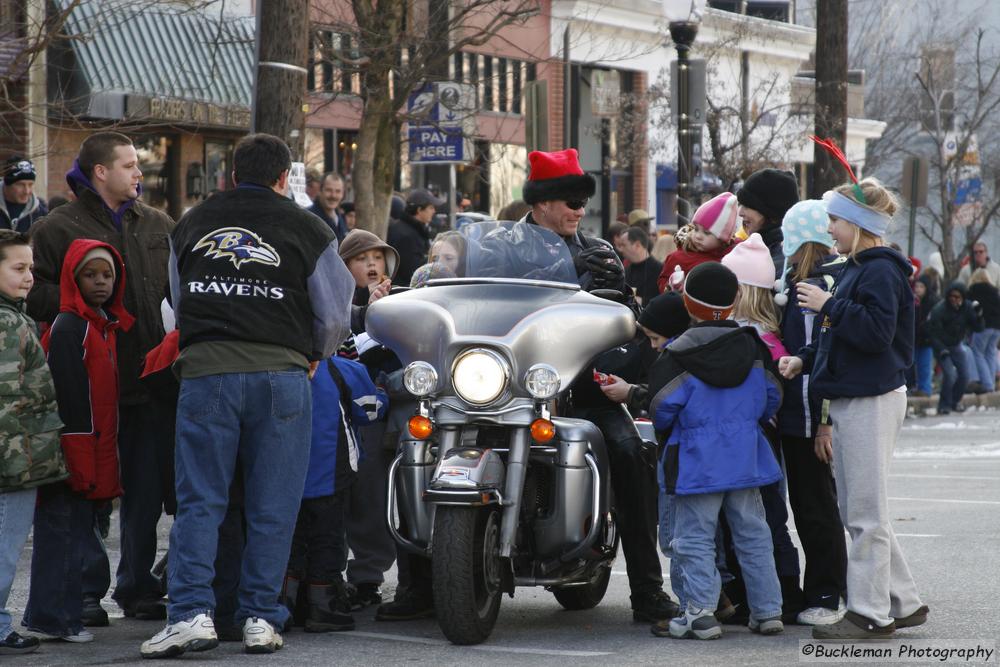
point(82, 355)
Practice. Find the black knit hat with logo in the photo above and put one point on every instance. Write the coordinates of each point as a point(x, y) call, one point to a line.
point(18, 169)
point(710, 291)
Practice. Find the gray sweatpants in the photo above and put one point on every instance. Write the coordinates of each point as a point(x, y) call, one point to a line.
point(879, 584)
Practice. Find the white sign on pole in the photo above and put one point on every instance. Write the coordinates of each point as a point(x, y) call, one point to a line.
point(297, 185)
point(605, 93)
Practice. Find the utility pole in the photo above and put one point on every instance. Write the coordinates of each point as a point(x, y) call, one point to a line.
point(831, 92)
point(280, 83)
point(744, 101)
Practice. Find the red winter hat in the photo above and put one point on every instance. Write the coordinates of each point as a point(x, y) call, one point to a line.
point(557, 176)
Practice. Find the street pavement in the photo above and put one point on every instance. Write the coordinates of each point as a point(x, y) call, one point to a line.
point(944, 493)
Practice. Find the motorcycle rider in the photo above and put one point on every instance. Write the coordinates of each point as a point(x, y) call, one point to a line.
point(557, 191)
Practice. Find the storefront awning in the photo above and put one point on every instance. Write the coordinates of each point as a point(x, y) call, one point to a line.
point(154, 61)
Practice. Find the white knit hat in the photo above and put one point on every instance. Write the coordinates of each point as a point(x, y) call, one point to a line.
point(751, 262)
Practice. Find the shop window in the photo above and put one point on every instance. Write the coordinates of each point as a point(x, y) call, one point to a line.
point(154, 162)
point(218, 166)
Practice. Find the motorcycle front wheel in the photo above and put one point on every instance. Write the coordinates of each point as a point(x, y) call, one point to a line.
point(466, 570)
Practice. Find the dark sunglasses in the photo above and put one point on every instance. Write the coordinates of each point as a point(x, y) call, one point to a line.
point(575, 204)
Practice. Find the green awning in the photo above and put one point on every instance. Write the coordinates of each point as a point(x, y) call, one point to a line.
point(154, 61)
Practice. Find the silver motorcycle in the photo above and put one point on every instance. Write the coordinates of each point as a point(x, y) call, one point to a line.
point(489, 483)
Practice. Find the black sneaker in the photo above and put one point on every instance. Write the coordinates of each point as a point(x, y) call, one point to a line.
point(365, 595)
point(149, 609)
point(93, 615)
point(228, 631)
point(919, 617)
point(15, 643)
point(407, 606)
point(652, 607)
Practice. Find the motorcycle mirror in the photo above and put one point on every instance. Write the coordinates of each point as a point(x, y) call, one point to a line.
point(610, 295)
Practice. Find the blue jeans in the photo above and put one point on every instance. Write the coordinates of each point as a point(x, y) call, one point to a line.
point(954, 376)
point(923, 359)
point(17, 511)
point(64, 523)
point(667, 511)
point(96, 566)
point(694, 545)
point(984, 349)
point(265, 418)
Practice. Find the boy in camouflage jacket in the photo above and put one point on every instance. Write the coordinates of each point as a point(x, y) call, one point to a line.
point(30, 454)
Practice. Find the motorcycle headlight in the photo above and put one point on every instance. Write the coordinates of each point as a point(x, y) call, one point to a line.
point(479, 376)
point(420, 378)
point(542, 381)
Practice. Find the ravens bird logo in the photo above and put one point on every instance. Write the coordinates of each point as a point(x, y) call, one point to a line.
point(238, 245)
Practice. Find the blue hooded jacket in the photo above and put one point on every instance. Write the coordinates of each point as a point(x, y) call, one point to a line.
point(714, 386)
point(336, 447)
point(865, 342)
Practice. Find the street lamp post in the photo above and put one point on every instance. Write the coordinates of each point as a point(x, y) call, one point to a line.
point(683, 34)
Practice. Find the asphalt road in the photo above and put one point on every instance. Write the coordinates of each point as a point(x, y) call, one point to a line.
point(945, 498)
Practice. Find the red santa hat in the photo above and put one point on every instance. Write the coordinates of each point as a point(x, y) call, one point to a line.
point(556, 176)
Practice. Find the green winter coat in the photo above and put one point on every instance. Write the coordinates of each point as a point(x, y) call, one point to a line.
point(30, 454)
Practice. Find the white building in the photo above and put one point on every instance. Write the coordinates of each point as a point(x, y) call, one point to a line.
point(632, 37)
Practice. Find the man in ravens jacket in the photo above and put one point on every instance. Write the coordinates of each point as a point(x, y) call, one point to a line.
point(261, 295)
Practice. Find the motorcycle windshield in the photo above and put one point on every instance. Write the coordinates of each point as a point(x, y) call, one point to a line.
point(519, 298)
point(516, 250)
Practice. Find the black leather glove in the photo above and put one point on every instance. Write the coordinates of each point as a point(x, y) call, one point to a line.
point(602, 263)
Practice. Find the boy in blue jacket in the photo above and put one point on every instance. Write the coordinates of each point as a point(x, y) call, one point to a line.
point(344, 397)
point(711, 390)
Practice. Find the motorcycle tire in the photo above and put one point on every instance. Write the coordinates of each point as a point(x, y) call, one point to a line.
point(466, 570)
point(588, 596)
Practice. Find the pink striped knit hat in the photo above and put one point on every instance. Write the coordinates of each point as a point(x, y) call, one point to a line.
point(717, 216)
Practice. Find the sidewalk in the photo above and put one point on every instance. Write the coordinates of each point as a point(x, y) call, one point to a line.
point(921, 406)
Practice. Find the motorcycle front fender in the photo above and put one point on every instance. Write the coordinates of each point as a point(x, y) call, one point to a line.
point(467, 476)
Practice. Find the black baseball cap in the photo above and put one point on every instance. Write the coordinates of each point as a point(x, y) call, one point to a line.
point(420, 197)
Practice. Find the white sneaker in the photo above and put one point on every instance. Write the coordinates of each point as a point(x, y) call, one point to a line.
point(81, 637)
point(196, 634)
point(766, 626)
point(259, 636)
point(822, 615)
point(695, 623)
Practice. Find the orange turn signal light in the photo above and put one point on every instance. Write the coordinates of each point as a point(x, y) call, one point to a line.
point(542, 430)
point(420, 427)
